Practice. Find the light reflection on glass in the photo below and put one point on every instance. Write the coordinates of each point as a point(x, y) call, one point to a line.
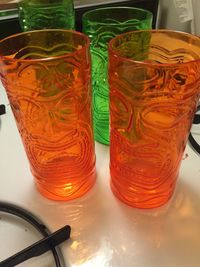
point(108, 233)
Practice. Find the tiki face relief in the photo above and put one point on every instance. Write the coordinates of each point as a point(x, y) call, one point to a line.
point(152, 104)
point(50, 95)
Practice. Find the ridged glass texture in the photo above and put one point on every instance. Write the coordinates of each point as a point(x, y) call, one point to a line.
point(46, 14)
point(154, 79)
point(47, 78)
point(101, 25)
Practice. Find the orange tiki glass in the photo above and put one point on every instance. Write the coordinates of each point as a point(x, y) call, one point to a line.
point(154, 81)
point(47, 78)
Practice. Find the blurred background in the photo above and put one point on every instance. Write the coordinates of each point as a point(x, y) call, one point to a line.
point(182, 15)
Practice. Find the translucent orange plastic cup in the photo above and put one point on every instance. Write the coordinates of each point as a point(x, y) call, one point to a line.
point(47, 78)
point(154, 79)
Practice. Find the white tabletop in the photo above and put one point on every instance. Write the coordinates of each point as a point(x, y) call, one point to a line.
point(105, 232)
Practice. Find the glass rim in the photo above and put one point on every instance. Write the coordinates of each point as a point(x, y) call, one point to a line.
point(87, 13)
point(76, 33)
point(150, 64)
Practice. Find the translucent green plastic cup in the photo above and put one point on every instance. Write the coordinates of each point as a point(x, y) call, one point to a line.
point(101, 25)
point(46, 14)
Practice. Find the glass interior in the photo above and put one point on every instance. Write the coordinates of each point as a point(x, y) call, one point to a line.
point(113, 15)
point(42, 44)
point(158, 47)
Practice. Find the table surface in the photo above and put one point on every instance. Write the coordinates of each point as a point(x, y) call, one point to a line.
point(105, 232)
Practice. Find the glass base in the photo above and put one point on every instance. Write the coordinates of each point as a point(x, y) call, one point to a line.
point(63, 194)
point(103, 142)
point(101, 136)
point(136, 203)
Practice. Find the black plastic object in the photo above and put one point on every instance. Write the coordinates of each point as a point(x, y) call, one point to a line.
point(192, 141)
point(48, 243)
point(38, 248)
point(2, 109)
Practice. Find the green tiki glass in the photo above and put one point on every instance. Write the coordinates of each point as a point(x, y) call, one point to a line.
point(101, 25)
point(46, 14)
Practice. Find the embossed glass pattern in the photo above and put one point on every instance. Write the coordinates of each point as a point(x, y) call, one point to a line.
point(47, 78)
point(101, 25)
point(154, 79)
point(46, 14)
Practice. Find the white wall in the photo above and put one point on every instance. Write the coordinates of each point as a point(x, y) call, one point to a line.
point(168, 17)
point(196, 9)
